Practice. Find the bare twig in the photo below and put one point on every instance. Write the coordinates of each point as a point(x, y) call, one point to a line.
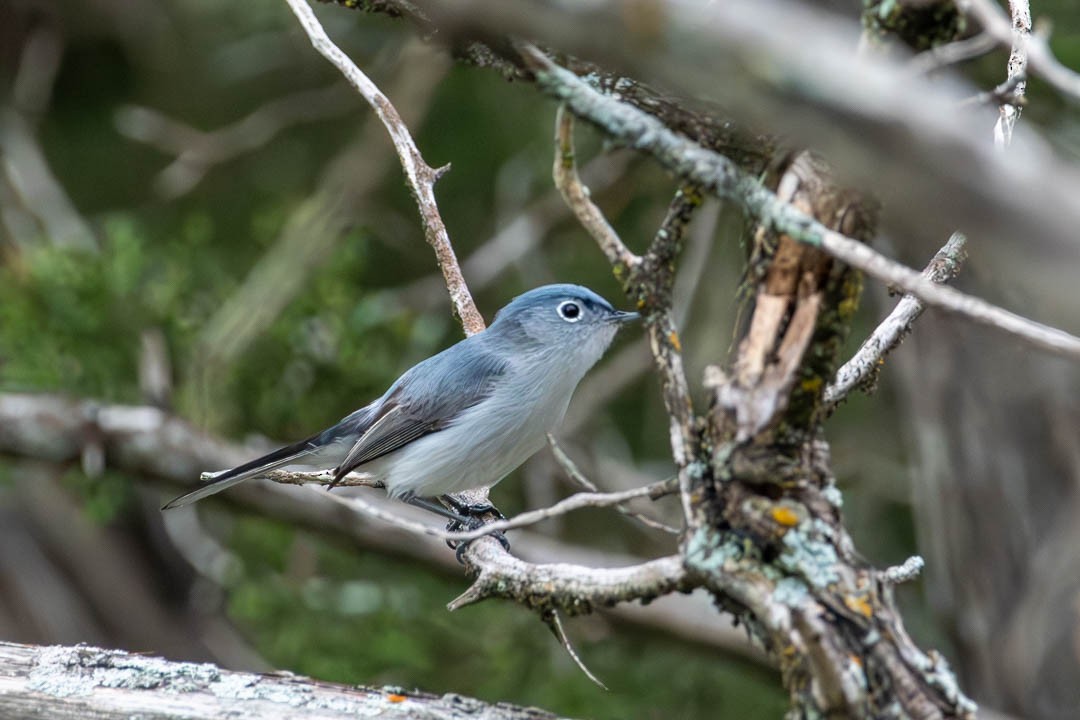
point(572, 588)
point(564, 506)
point(577, 197)
point(647, 279)
point(956, 52)
point(944, 266)
point(653, 282)
point(551, 619)
point(197, 151)
point(1009, 112)
point(523, 233)
point(420, 176)
point(719, 175)
point(1008, 34)
point(904, 572)
point(578, 478)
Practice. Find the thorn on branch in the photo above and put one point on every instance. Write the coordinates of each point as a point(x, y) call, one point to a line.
point(551, 619)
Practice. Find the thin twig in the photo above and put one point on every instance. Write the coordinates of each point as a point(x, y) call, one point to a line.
point(942, 268)
point(577, 197)
point(566, 505)
point(196, 151)
point(419, 175)
point(904, 572)
point(578, 478)
point(1009, 112)
point(519, 236)
point(653, 282)
point(1039, 57)
point(551, 619)
point(955, 52)
point(719, 175)
point(647, 279)
point(577, 501)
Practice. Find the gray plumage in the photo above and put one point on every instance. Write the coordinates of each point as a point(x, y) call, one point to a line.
point(467, 416)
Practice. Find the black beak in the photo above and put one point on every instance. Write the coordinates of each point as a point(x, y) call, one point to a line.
point(622, 318)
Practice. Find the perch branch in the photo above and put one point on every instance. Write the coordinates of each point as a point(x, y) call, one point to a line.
point(571, 588)
point(567, 505)
point(149, 442)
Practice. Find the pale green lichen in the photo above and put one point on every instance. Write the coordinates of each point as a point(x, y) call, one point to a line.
point(833, 496)
point(809, 557)
point(790, 591)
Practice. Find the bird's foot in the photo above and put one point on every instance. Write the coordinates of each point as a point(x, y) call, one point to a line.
point(473, 522)
point(469, 509)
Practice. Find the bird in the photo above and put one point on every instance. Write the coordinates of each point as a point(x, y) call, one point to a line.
point(465, 417)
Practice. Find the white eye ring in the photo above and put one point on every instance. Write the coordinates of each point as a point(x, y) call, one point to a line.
point(569, 311)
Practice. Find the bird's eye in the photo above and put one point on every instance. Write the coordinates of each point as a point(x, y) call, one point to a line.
point(569, 311)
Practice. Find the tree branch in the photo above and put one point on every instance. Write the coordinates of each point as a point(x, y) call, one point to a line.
point(888, 335)
point(719, 175)
point(195, 152)
point(75, 683)
point(571, 588)
point(420, 176)
point(148, 441)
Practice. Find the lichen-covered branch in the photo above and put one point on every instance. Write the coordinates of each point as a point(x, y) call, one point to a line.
point(76, 683)
point(570, 588)
point(648, 281)
point(719, 175)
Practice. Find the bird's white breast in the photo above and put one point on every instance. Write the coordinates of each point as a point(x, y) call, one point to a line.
point(490, 439)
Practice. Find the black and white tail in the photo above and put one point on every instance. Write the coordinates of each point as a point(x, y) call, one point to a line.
point(227, 478)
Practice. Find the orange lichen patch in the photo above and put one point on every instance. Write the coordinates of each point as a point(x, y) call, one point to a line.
point(396, 698)
point(859, 605)
point(785, 516)
point(855, 659)
point(673, 338)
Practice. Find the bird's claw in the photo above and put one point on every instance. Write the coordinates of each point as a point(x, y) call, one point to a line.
point(468, 509)
point(472, 522)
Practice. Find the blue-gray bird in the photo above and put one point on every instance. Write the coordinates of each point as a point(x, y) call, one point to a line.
point(468, 416)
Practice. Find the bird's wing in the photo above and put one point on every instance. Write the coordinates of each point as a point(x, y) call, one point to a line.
point(425, 400)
